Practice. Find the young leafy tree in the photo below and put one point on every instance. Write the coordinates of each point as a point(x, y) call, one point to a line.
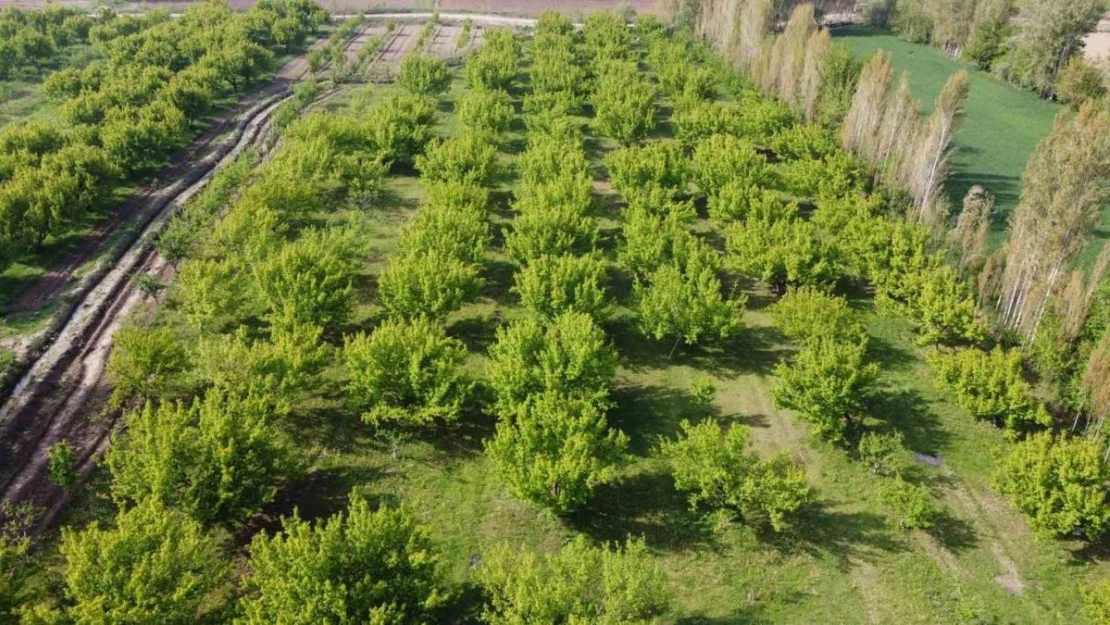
point(913, 505)
point(406, 372)
point(458, 232)
point(424, 75)
point(553, 449)
point(155, 566)
point(652, 239)
point(401, 126)
point(740, 201)
point(992, 386)
point(494, 65)
point(560, 230)
point(576, 584)
point(552, 285)
point(944, 309)
point(146, 363)
point(468, 158)
point(62, 465)
point(1061, 484)
point(624, 102)
point(431, 283)
point(827, 384)
point(568, 355)
point(724, 158)
point(361, 566)
point(488, 111)
point(217, 460)
point(808, 315)
point(718, 471)
point(308, 281)
point(686, 303)
point(661, 163)
point(783, 252)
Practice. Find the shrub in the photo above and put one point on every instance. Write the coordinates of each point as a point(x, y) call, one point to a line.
point(552, 285)
point(912, 504)
point(431, 283)
point(486, 111)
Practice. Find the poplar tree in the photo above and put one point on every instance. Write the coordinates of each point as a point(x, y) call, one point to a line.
point(932, 151)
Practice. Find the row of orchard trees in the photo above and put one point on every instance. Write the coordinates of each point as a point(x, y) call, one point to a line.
point(921, 268)
point(123, 115)
point(34, 39)
point(253, 324)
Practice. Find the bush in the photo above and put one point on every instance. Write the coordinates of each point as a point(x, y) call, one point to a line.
point(884, 454)
point(1061, 484)
point(716, 469)
point(913, 505)
point(408, 373)
point(808, 315)
point(576, 584)
point(991, 386)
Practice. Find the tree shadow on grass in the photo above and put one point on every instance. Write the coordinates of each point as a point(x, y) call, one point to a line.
point(500, 278)
point(648, 413)
point(888, 355)
point(478, 333)
point(822, 531)
point(313, 495)
point(909, 413)
point(753, 350)
point(955, 534)
point(644, 504)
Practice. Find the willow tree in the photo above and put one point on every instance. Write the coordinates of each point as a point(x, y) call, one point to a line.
point(1061, 204)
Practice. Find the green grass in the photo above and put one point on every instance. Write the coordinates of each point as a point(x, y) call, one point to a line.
point(1003, 123)
point(845, 561)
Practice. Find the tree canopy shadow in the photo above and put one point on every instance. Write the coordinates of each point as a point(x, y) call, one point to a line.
point(954, 533)
point(500, 278)
point(909, 413)
point(822, 531)
point(478, 333)
point(753, 350)
point(644, 504)
point(888, 355)
point(314, 495)
point(648, 413)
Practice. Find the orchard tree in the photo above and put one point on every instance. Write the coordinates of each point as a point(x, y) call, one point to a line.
point(145, 363)
point(285, 369)
point(424, 75)
point(552, 285)
point(944, 309)
point(429, 283)
point(155, 566)
point(62, 465)
point(568, 355)
point(1061, 484)
point(738, 200)
point(406, 372)
point(468, 158)
point(610, 585)
point(212, 294)
point(553, 449)
point(720, 159)
point(459, 232)
point(401, 126)
point(217, 459)
point(782, 252)
point(914, 507)
point(359, 566)
point(624, 103)
point(808, 315)
point(308, 281)
point(827, 384)
point(494, 64)
point(686, 303)
point(652, 239)
point(488, 111)
point(992, 386)
point(560, 230)
point(661, 163)
point(717, 470)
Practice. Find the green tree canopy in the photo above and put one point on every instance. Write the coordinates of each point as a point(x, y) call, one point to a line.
point(429, 282)
point(576, 584)
point(407, 372)
point(155, 566)
point(827, 383)
point(363, 566)
point(718, 471)
point(552, 285)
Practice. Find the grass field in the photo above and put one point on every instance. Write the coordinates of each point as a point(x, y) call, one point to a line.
point(1003, 123)
point(844, 562)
